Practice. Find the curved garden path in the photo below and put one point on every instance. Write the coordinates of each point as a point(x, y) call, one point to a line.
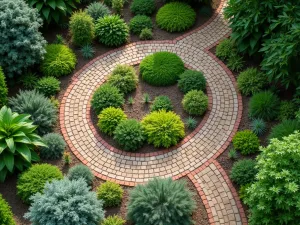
point(196, 155)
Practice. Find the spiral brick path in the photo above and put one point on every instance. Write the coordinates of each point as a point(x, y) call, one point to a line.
point(195, 155)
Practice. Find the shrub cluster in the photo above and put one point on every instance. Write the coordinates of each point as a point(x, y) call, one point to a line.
point(285, 128)
point(3, 89)
point(113, 220)
point(142, 7)
point(111, 194)
point(81, 171)
point(287, 110)
point(6, 215)
point(140, 22)
point(191, 80)
point(243, 172)
point(97, 10)
point(48, 86)
point(246, 141)
point(235, 62)
point(55, 146)
point(195, 102)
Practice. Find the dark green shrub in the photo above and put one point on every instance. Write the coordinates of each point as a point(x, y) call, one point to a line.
point(112, 30)
point(163, 129)
point(59, 61)
point(175, 17)
point(264, 105)
point(146, 34)
point(258, 127)
point(287, 110)
point(34, 179)
point(142, 7)
point(284, 129)
point(108, 2)
point(251, 81)
point(111, 193)
point(87, 51)
point(3, 89)
point(129, 134)
point(106, 96)
point(235, 62)
point(48, 86)
point(161, 201)
point(81, 171)
point(191, 80)
point(29, 80)
point(161, 68)
point(59, 39)
point(191, 123)
point(97, 10)
point(224, 49)
point(195, 102)
point(246, 142)
point(140, 22)
point(113, 220)
point(6, 215)
point(110, 118)
point(243, 191)
point(55, 146)
point(243, 172)
point(117, 6)
point(161, 102)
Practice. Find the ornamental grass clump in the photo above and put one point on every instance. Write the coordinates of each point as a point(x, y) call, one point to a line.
point(111, 193)
point(246, 142)
point(97, 10)
point(283, 129)
point(258, 127)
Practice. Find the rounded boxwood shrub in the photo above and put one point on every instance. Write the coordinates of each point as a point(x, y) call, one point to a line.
point(175, 17)
point(110, 118)
point(111, 194)
point(142, 7)
point(163, 129)
point(81, 171)
point(284, 129)
point(191, 80)
point(106, 96)
point(225, 49)
point(113, 220)
point(48, 86)
point(243, 172)
point(97, 10)
point(34, 179)
point(146, 34)
point(264, 105)
point(140, 22)
point(246, 141)
point(161, 68)
point(161, 102)
point(287, 110)
point(161, 201)
point(195, 102)
point(55, 146)
point(129, 134)
point(58, 61)
point(112, 30)
point(3, 89)
point(6, 215)
point(251, 81)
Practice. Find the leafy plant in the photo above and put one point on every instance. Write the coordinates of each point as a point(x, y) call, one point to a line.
point(55, 146)
point(191, 123)
point(284, 129)
point(258, 127)
point(81, 171)
point(140, 22)
point(130, 100)
point(113, 220)
point(191, 80)
point(87, 51)
point(225, 48)
point(287, 110)
point(235, 62)
point(232, 154)
point(59, 40)
point(6, 215)
point(195, 102)
point(48, 86)
point(243, 172)
point(142, 7)
point(29, 80)
point(246, 142)
point(111, 193)
point(146, 34)
point(67, 158)
point(3, 89)
point(161, 102)
point(54, 102)
point(146, 98)
point(97, 10)
point(117, 6)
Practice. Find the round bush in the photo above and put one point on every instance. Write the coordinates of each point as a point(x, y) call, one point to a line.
point(251, 81)
point(111, 194)
point(161, 68)
point(246, 141)
point(225, 49)
point(142, 7)
point(129, 135)
point(34, 179)
point(110, 118)
point(191, 80)
point(163, 129)
point(264, 105)
point(146, 34)
point(81, 171)
point(175, 17)
point(48, 86)
point(6, 215)
point(56, 146)
point(195, 102)
point(287, 110)
point(243, 172)
point(106, 96)
point(58, 61)
point(161, 102)
point(3, 89)
point(124, 78)
point(161, 201)
point(284, 129)
point(112, 30)
point(113, 220)
point(97, 10)
point(140, 22)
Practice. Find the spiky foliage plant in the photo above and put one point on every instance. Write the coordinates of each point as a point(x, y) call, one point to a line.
point(87, 51)
point(29, 80)
point(191, 123)
point(258, 127)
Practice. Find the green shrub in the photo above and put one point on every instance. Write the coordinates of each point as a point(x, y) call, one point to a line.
point(108, 2)
point(191, 80)
point(161, 68)
point(142, 7)
point(124, 78)
point(224, 49)
point(117, 6)
point(112, 30)
point(55, 146)
point(43, 113)
point(175, 17)
point(235, 62)
point(146, 98)
point(82, 28)
point(146, 34)
point(195, 102)
point(48, 86)
point(264, 105)
point(191, 123)
point(81, 171)
point(59, 39)
point(29, 80)
point(243, 191)
point(6, 215)
point(232, 154)
point(251, 81)
point(113, 220)
point(243, 172)
point(106, 96)
point(3, 89)
point(163, 129)
point(72, 201)
point(110, 118)
point(284, 129)
point(246, 142)
point(161, 201)
point(287, 110)
point(111, 194)
point(161, 102)
point(87, 51)
point(129, 134)
point(140, 22)
point(34, 179)
point(59, 61)
point(22, 45)
point(258, 127)
point(97, 10)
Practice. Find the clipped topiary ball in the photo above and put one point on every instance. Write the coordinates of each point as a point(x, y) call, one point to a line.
point(161, 68)
point(175, 17)
point(243, 172)
point(56, 146)
point(225, 49)
point(284, 129)
point(97, 10)
point(111, 194)
point(140, 22)
point(58, 61)
point(6, 215)
point(161, 102)
point(195, 102)
point(48, 86)
point(142, 7)
point(34, 179)
point(81, 171)
point(191, 80)
point(113, 220)
point(246, 141)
